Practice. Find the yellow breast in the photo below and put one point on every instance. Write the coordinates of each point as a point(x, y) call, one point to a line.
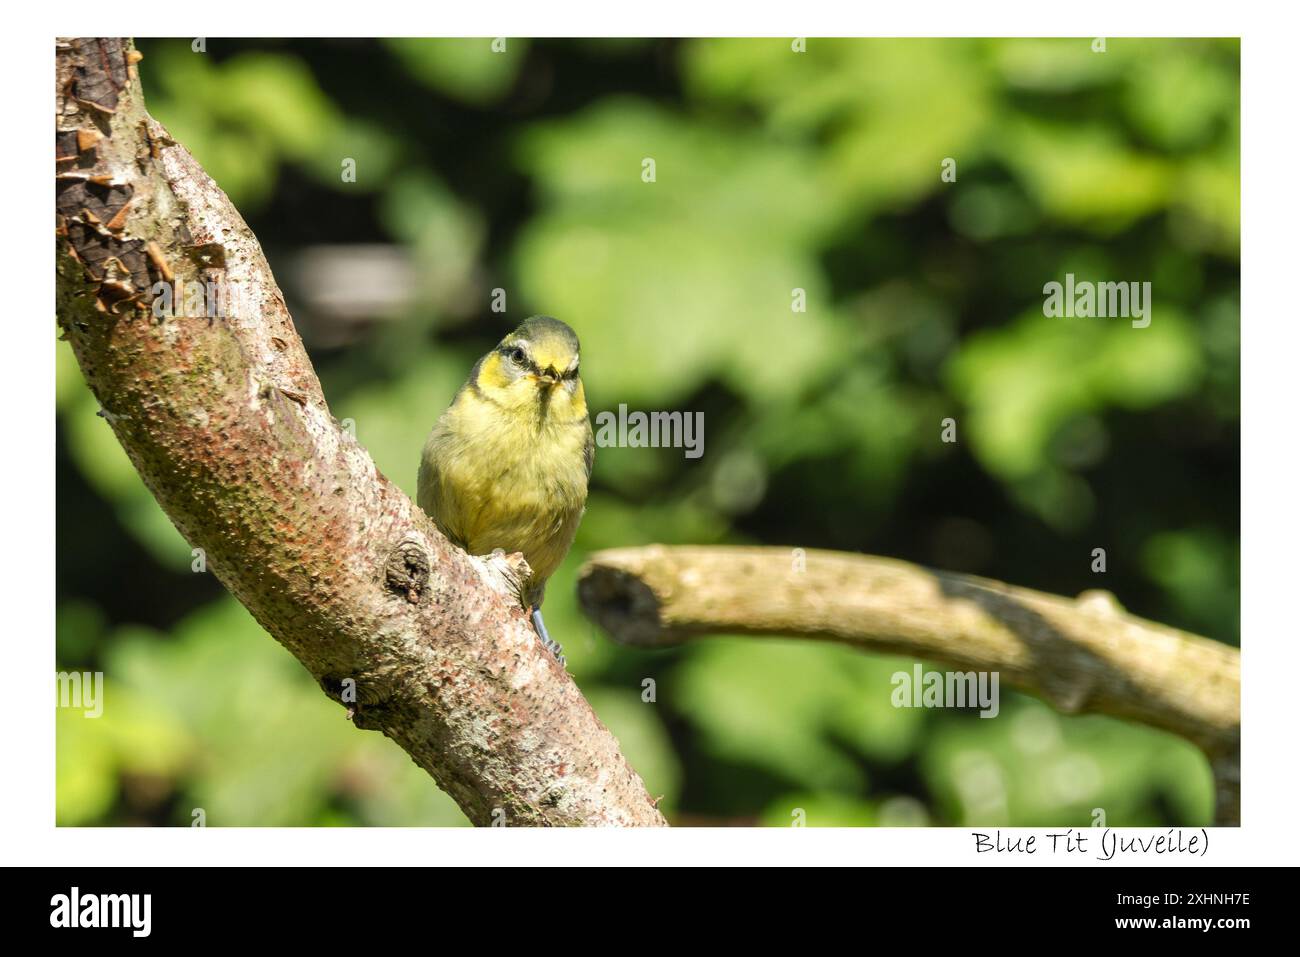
point(496, 473)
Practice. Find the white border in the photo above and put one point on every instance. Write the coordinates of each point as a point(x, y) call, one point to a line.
point(1270, 352)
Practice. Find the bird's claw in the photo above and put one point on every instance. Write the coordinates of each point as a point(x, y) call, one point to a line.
point(554, 648)
point(549, 643)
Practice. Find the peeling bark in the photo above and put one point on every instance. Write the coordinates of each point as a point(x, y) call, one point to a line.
point(1084, 655)
point(224, 419)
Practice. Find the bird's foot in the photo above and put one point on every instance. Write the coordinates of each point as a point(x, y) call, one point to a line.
point(548, 642)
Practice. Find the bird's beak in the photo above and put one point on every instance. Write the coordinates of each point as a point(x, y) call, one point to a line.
point(550, 377)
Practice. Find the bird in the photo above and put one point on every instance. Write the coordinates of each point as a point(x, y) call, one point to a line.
point(507, 464)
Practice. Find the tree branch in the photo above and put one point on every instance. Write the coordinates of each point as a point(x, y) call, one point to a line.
point(225, 421)
point(1084, 655)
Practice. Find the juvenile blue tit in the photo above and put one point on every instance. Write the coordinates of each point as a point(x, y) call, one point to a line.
point(507, 464)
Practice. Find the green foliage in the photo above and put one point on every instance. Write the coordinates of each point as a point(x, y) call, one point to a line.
point(774, 171)
point(244, 117)
point(669, 258)
point(820, 715)
point(1035, 768)
point(466, 68)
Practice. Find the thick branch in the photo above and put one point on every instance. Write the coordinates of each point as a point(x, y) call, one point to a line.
point(1081, 656)
point(224, 419)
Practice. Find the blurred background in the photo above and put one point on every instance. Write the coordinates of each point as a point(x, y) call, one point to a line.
point(521, 170)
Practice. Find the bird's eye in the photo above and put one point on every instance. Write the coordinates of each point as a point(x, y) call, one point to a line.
point(517, 355)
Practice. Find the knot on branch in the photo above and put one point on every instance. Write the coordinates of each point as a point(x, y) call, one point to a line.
point(363, 697)
point(1100, 602)
point(406, 572)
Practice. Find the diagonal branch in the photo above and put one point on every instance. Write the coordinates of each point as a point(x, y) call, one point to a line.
point(1081, 656)
point(224, 419)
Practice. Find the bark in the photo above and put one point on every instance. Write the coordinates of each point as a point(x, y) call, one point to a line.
point(1083, 655)
point(225, 421)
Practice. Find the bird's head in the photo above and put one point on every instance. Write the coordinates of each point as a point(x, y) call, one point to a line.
point(536, 365)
